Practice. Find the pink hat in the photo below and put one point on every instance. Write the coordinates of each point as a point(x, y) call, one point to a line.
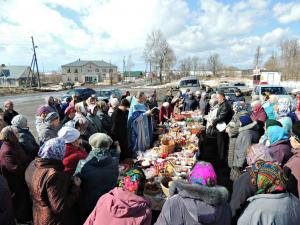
point(203, 173)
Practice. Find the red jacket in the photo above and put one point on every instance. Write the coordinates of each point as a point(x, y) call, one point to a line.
point(72, 157)
point(165, 113)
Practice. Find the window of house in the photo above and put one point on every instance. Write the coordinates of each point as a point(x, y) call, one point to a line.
point(69, 79)
point(76, 78)
point(89, 71)
point(110, 70)
point(69, 70)
point(104, 70)
point(97, 70)
point(76, 71)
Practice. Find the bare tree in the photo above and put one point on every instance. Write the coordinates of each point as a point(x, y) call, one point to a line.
point(195, 64)
point(158, 52)
point(129, 64)
point(273, 63)
point(257, 57)
point(290, 58)
point(214, 64)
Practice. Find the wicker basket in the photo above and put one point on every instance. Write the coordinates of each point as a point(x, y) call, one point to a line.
point(168, 148)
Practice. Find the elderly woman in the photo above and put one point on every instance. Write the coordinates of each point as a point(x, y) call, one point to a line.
point(99, 173)
point(259, 115)
point(81, 108)
point(282, 110)
point(96, 125)
point(198, 201)
point(114, 102)
point(9, 112)
point(70, 113)
point(271, 204)
point(41, 115)
point(6, 208)
point(50, 128)
point(106, 120)
point(26, 138)
point(74, 151)
point(165, 112)
point(53, 193)
point(128, 196)
point(233, 128)
point(13, 163)
point(269, 107)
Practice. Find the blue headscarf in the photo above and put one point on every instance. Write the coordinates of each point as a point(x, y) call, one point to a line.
point(54, 148)
point(277, 133)
point(240, 106)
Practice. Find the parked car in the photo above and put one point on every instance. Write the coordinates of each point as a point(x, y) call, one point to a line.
point(246, 90)
point(191, 83)
point(83, 93)
point(229, 91)
point(277, 90)
point(104, 94)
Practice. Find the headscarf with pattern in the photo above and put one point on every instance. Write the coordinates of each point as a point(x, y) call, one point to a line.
point(54, 148)
point(134, 181)
point(268, 177)
point(203, 173)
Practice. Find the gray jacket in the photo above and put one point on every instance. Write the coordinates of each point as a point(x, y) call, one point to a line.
point(279, 209)
point(195, 205)
point(47, 132)
point(248, 135)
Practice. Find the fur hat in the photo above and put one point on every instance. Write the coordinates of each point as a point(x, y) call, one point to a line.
point(100, 140)
point(51, 116)
point(19, 121)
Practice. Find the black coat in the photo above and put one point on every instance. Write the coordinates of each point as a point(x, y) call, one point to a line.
point(6, 208)
point(28, 142)
point(120, 132)
point(190, 104)
point(98, 178)
point(224, 113)
point(8, 116)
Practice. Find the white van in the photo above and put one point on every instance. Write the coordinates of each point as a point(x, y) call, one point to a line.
point(191, 83)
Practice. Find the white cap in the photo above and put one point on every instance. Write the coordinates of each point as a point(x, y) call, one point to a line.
point(68, 134)
point(198, 93)
point(166, 104)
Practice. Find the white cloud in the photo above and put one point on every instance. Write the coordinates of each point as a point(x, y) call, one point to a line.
point(287, 12)
point(112, 29)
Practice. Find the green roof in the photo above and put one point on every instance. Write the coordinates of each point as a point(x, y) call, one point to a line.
point(79, 63)
point(133, 74)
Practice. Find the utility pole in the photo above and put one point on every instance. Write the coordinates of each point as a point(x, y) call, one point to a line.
point(124, 69)
point(33, 64)
point(110, 73)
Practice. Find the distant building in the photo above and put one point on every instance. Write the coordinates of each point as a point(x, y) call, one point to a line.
point(89, 71)
point(132, 75)
point(15, 76)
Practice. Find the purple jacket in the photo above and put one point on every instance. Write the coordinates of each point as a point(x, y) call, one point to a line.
point(281, 151)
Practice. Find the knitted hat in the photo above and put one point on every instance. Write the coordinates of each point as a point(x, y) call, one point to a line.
point(268, 177)
point(270, 123)
point(245, 120)
point(69, 110)
point(68, 134)
point(51, 116)
point(203, 173)
point(19, 121)
point(100, 140)
point(43, 109)
point(134, 181)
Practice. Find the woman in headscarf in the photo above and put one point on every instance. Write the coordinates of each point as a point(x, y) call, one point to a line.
point(269, 123)
point(259, 115)
point(292, 167)
point(248, 135)
point(70, 113)
point(269, 107)
point(50, 128)
point(177, 102)
point(52, 191)
point(106, 120)
point(99, 173)
point(26, 139)
point(13, 163)
point(95, 122)
point(41, 115)
point(81, 108)
point(243, 188)
point(113, 102)
point(282, 110)
point(74, 150)
point(233, 129)
point(165, 112)
point(51, 103)
point(124, 204)
point(280, 146)
point(271, 204)
point(198, 201)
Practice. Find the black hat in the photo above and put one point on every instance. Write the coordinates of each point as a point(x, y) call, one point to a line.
point(296, 130)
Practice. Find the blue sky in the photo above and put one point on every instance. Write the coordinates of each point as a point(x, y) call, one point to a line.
point(66, 30)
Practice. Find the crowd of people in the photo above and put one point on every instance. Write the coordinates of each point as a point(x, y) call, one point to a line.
point(69, 174)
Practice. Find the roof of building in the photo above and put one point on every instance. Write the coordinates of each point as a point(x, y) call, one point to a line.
point(13, 72)
point(79, 63)
point(133, 73)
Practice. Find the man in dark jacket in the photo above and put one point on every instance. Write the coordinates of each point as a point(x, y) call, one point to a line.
point(224, 115)
point(238, 97)
point(9, 112)
point(191, 103)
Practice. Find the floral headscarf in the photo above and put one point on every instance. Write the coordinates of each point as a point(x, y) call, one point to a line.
point(258, 152)
point(133, 181)
point(268, 177)
point(203, 173)
point(283, 109)
point(54, 148)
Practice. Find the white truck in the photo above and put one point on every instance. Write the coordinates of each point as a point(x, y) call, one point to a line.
point(266, 77)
